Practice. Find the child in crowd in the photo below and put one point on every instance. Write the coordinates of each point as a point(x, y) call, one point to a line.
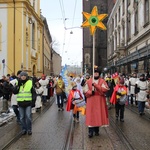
point(74, 95)
point(39, 91)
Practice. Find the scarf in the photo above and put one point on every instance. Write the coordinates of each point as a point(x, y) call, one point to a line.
point(60, 83)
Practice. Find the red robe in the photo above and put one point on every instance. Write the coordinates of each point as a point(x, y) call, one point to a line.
point(114, 97)
point(96, 108)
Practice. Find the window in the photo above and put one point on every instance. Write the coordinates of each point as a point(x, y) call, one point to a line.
point(146, 13)
point(34, 4)
point(123, 7)
point(136, 23)
point(119, 36)
point(112, 24)
point(112, 45)
point(116, 20)
point(128, 2)
point(119, 13)
point(129, 26)
point(33, 36)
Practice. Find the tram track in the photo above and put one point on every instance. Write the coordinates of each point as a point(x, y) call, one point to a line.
point(17, 136)
point(124, 139)
point(121, 135)
point(69, 138)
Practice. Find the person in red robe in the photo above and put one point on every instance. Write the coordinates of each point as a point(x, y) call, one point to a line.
point(119, 93)
point(74, 94)
point(96, 108)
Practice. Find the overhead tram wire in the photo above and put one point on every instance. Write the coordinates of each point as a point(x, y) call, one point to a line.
point(64, 23)
point(72, 23)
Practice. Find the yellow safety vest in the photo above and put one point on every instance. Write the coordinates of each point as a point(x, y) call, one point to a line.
point(25, 92)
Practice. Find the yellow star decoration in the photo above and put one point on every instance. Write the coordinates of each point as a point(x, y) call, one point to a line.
point(94, 20)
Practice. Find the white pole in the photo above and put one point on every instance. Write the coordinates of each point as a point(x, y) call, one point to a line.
point(93, 55)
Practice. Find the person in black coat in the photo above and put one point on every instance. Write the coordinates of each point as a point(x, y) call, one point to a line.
point(111, 84)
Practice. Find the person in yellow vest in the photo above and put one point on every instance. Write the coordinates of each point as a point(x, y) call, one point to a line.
point(24, 98)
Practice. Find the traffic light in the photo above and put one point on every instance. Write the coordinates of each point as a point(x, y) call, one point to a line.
point(3, 61)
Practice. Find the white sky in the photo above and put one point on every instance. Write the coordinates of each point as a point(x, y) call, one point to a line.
point(55, 11)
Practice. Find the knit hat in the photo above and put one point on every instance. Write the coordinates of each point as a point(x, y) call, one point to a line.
point(142, 75)
point(121, 80)
point(23, 74)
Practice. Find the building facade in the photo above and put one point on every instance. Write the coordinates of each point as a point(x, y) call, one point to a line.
point(47, 49)
point(129, 36)
point(100, 39)
point(57, 60)
point(21, 37)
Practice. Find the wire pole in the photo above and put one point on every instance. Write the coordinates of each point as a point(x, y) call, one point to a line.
point(93, 58)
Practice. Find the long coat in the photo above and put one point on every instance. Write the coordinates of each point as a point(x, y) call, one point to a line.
point(96, 108)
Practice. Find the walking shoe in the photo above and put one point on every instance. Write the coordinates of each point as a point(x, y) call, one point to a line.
point(96, 134)
point(24, 132)
point(58, 109)
point(62, 109)
point(77, 120)
point(90, 134)
point(29, 132)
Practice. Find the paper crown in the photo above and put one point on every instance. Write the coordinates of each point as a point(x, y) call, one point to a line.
point(73, 84)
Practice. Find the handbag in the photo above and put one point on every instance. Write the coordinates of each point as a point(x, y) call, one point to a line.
point(122, 100)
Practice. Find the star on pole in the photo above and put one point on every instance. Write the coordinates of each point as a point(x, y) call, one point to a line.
point(94, 20)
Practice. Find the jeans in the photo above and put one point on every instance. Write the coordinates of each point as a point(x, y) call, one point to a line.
point(16, 111)
point(119, 110)
point(141, 106)
point(136, 103)
point(44, 98)
point(60, 101)
point(26, 118)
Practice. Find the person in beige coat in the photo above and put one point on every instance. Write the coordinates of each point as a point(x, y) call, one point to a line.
point(60, 89)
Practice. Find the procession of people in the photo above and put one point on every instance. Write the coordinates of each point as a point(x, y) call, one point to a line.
point(89, 95)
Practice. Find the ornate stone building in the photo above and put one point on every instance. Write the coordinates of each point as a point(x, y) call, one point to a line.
point(129, 36)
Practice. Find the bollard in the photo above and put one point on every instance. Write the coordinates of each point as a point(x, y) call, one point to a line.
point(5, 106)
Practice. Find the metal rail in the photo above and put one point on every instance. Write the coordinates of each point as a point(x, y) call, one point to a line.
point(16, 138)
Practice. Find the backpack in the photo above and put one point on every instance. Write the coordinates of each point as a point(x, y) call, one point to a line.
point(34, 95)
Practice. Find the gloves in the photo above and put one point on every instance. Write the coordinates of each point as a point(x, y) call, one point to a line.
point(19, 83)
point(119, 94)
point(93, 92)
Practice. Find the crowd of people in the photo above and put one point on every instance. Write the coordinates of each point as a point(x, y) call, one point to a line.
point(92, 96)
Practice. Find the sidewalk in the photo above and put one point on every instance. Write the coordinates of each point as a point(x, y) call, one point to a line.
point(5, 117)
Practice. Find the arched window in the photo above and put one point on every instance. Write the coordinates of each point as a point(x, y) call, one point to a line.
point(33, 36)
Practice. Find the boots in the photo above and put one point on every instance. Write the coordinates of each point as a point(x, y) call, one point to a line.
point(96, 130)
point(90, 132)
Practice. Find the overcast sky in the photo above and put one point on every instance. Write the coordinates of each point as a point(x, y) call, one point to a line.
point(70, 45)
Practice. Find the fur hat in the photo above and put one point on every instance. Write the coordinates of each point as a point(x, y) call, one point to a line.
point(73, 84)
